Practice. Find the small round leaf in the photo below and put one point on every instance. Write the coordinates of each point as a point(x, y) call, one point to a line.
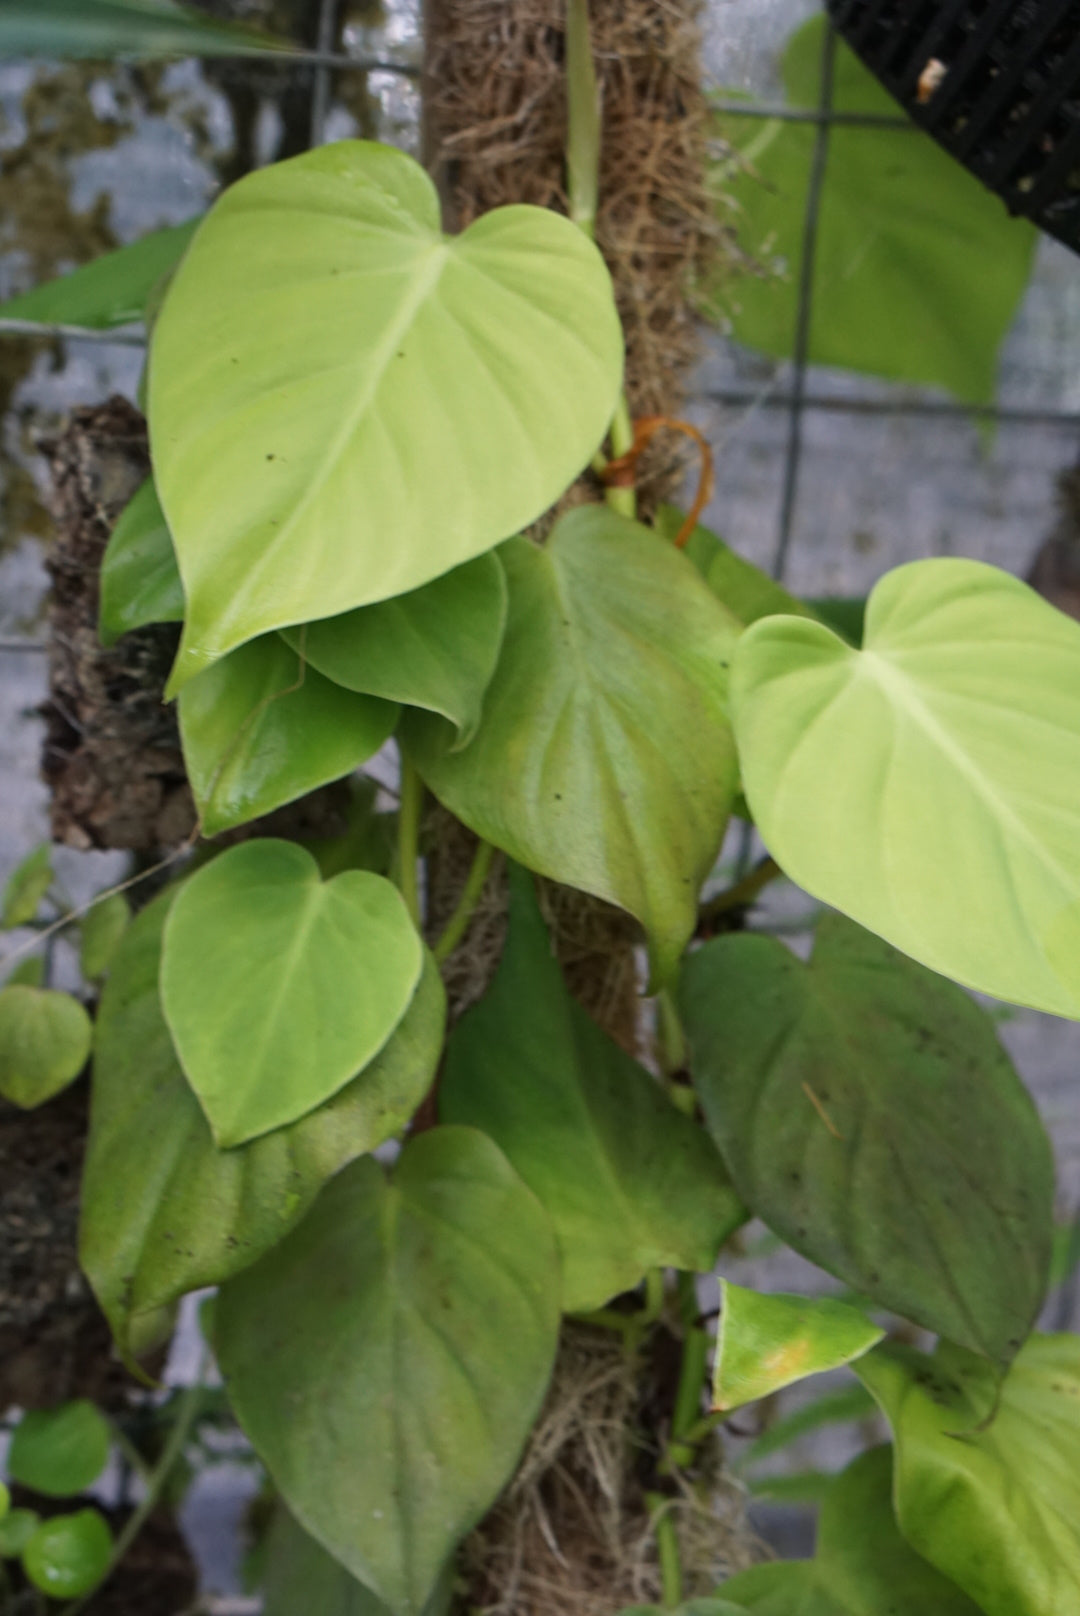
point(44, 1043)
point(69, 1555)
point(59, 1451)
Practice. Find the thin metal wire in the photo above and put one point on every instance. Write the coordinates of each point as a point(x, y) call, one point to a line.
point(740, 397)
point(35, 646)
point(785, 114)
point(122, 337)
point(320, 95)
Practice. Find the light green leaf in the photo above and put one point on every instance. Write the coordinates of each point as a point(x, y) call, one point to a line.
point(868, 1113)
point(604, 757)
point(44, 1043)
point(901, 227)
point(151, 1164)
point(59, 1451)
point(300, 1575)
point(630, 1183)
point(932, 775)
point(112, 290)
point(26, 886)
point(101, 929)
point(430, 1305)
point(68, 1555)
point(423, 396)
point(435, 647)
point(746, 591)
point(260, 729)
point(862, 1566)
point(278, 987)
point(103, 28)
point(16, 1529)
point(988, 1483)
point(769, 1341)
point(140, 581)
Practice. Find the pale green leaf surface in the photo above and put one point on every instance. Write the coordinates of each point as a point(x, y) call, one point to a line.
point(26, 886)
point(101, 929)
point(435, 647)
point(604, 758)
point(152, 1167)
point(278, 987)
point(111, 290)
point(430, 1305)
point(140, 581)
point(993, 1502)
point(630, 1183)
point(929, 785)
point(769, 1341)
point(260, 728)
point(901, 228)
point(59, 1451)
point(44, 1042)
point(869, 1114)
point(141, 28)
point(862, 1565)
point(423, 397)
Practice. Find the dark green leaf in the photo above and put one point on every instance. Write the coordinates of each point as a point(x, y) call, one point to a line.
point(163, 1210)
point(435, 647)
point(112, 290)
point(862, 1566)
point(140, 582)
point(260, 729)
point(988, 1478)
point(604, 758)
point(44, 1043)
point(59, 1451)
point(902, 228)
point(388, 1359)
point(26, 886)
point(870, 1116)
point(368, 841)
point(101, 28)
point(629, 1182)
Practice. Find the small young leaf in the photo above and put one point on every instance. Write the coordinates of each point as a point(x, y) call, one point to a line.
point(141, 28)
point(140, 581)
point(629, 1182)
point(101, 929)
point(423, 396)
point(988, 1478)
point(930, 776)
point(44, 1043)
point(113, 289)
point(59, 1451)
point(68, 1555)
point(769, 1341)
point(151, 1164)
point(746, 591)
point(435, 647)
point(278, 987)
point(868, 1113)
point(430, 1306)
point(26, 886)
point(862, 1566)
point(260, 729)
point(16, 1529)
point(604, 757)
point(28, 973)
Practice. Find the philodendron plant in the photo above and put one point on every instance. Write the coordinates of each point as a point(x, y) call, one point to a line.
point(354, 421)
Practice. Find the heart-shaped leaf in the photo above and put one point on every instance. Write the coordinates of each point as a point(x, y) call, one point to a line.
point(931, 775)
point(862, 1566)
point(278, 987)
point(151, 1164)
point(604, 757)
point(44, 1043)
point(101, 28)
point(869, 1114)
point(435, 647)
point(140, 581)
point(430, 1305)
point(630, 1183)
point(260, 728)
point(769, 1341)
point(112, 290)
point(423, 396)
point(988, 1478)
point(60, 1451)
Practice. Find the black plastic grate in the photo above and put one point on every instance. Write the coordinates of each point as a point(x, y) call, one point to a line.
point(996, 82)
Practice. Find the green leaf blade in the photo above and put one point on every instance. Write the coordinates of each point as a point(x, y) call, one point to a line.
point(140, 582)
point(110, 291)
point(26, 886)
point(60, 1451)
point(141, 28)
point(44, 1043)
point(770, 1341)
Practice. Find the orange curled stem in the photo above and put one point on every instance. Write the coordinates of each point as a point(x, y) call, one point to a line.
point(620, 473)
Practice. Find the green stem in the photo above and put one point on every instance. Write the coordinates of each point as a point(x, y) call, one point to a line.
point(583, 119)
point(670, 1036)
point(408, 855)
point(667, 1549)
point(743, 893)
point(622, 500)
point(471, 892)
point(686, 1415)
